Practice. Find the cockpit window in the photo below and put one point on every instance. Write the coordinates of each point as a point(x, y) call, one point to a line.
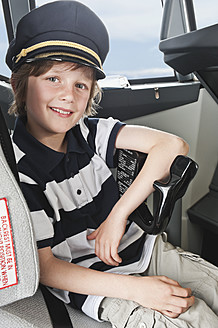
point(205, 12)
point(134, 29)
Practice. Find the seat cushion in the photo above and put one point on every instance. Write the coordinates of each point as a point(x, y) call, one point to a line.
point(32, 312)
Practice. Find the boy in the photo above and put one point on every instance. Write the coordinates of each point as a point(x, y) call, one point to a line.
point(86, 244)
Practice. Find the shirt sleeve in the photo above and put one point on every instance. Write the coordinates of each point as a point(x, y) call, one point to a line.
point(102, 135)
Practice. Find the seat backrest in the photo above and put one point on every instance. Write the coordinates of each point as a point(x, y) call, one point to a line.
point(19, 269)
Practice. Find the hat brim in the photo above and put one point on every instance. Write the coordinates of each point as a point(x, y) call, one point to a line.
point(61, 58)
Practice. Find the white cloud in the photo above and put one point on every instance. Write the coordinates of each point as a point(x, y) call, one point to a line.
point(149, 72)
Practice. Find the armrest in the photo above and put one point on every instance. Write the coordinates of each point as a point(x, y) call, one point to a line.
point(182, 171)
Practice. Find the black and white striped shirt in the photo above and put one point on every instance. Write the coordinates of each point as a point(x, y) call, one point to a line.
point(69, 195)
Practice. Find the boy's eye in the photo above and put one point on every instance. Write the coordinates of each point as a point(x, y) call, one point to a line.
point(53, 79)
point(81, 86)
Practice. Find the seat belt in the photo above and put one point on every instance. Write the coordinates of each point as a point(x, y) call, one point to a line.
point(58, 313)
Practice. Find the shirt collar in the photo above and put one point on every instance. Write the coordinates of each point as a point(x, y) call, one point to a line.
point(38, 152)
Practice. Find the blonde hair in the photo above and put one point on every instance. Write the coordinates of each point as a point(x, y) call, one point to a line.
point(19, 81)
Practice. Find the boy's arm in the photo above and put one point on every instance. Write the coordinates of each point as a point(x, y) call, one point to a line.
point(162, 148)
point(159, 293)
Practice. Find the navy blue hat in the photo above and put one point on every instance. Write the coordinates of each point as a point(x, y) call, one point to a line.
point(60, 30)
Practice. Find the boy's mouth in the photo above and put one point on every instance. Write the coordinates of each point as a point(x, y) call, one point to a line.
point(61, 111)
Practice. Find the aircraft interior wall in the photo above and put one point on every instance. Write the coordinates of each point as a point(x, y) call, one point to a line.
point(197, 124)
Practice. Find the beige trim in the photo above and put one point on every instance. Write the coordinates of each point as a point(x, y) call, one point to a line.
point(24, 52)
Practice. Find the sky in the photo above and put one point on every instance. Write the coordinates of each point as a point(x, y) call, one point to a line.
point(134, 29)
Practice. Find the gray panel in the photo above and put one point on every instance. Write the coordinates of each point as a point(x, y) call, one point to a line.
point(178, 18)
point(18, 9)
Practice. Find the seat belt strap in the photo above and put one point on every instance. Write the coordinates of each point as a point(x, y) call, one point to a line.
point(57, 310)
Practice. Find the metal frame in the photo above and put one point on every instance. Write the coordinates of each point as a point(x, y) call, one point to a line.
point(13, 11)
point(178, 18)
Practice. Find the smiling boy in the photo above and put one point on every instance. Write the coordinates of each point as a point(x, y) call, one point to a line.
point(56, 101)
point(90, 255)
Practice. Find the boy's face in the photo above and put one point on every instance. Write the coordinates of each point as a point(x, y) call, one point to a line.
point(57, 100)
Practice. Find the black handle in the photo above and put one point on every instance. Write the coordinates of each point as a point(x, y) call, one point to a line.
point(182, 171)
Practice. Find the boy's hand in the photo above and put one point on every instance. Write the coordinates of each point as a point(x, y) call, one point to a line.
point(107, 239)
point(162, 294)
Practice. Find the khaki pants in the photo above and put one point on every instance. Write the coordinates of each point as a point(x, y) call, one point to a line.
point(190, 271)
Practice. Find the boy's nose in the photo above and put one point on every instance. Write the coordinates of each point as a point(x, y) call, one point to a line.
point(67, 93)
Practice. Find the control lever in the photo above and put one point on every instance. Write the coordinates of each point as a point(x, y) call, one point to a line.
point(182, 171)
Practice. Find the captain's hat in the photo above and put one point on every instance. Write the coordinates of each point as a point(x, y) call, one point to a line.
point(63, 31)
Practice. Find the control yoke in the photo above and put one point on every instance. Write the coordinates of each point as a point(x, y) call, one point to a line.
point(182, 171)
